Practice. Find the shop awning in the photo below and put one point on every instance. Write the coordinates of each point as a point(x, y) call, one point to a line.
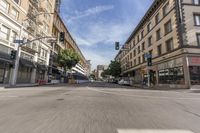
point(27, 63)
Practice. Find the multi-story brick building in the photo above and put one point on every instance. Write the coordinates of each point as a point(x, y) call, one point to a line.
point(56, 74)
point(28, 20)
point(170, 33)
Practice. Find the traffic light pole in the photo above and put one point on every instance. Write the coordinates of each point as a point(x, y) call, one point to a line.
point(149, 78)
point(16, 65)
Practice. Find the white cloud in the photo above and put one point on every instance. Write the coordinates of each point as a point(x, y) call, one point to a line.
point(106, 33)
point(96, 59)
point(90, 11)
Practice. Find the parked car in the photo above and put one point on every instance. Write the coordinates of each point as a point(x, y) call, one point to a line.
point(124, 82)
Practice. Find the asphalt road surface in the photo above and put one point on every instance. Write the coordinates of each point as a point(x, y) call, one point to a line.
point(98, 108)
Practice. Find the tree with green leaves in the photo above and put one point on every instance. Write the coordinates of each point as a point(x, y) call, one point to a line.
point(114, 69)
point(105, 73)
point(67, 59)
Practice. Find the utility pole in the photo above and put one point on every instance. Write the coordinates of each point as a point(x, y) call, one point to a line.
point(18, 53)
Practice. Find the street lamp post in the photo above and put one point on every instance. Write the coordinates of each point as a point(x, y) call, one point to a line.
point(18, 47)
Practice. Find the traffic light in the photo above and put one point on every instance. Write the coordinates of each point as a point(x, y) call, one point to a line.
point(62, 37)
point(116, 45)
point(13, 54)
point(149, 61)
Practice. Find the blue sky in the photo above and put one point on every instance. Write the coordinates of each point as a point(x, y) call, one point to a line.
point(97, 24)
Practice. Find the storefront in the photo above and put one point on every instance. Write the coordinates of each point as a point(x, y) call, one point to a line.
point(5, 68)
point(25, 71)
point(194, 70)
point(54, 75)
point(171, 72)
point(41, 72)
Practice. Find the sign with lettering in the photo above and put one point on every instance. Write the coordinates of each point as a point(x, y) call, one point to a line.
point(194, 61)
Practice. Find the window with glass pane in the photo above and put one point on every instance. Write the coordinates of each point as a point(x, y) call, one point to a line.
point(143, 46)
point(158, 34)
point(166, 9)
point(159, 48)
point(196, 2)
point(198, 39)
point(157, 18)
point(169, 45)
point(13, 36)
point(139, 60)
point(4, 6)
point(149, 26)
point(14, 13)
point(151, 52)
point(143, 58)
point(138, 49)
point(168, 27)
point(4, 33)
point(142, 34)
point(197, 19)
point(150, 41)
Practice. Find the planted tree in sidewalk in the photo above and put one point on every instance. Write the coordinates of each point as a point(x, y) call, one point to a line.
point(114, 69)
point(67, 59)
point(105, 73)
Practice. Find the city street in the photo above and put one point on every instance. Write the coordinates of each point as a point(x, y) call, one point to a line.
point(98, 108)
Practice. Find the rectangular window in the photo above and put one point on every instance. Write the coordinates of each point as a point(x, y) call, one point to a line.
point(197, 19)
point(5, 32)
point(4, 6)
point(131, 55)
point(169, 45)
point(142, 34)
point(158, 34)
point(134, 53)
point(168, 27)
point(138, 38)
point(139, 60)
point(150, 41)
point(198, 39)
point(134, 62)
point(143, 58)
point(159, 49)
point(13, 36)
point(138, 49)
point(151, 52)
point(196, 2)
point(133, 43)
point(143, 46)
point(166, 9)
point(149, 27)
point(157, 18)
point(14, 13)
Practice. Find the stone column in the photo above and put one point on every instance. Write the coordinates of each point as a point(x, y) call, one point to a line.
point(186, 71)
point(33, 73)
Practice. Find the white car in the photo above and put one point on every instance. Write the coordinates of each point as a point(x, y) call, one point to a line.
point(124, 82)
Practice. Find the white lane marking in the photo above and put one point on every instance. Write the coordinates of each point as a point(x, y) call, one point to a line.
point(8, 96)
point(154, 131)
point(142, 96)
